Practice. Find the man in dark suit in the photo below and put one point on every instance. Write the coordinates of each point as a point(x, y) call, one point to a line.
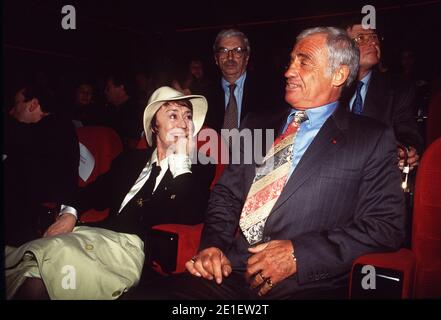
point(226, 110)
point(40, 163)
point(332, 195)
point(382, 96)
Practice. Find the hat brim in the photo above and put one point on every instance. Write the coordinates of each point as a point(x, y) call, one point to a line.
point(200, 107)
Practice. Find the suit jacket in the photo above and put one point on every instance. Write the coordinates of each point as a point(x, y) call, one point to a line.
point(391, 100)
point(343, 200)
point(256, 99)
point(176, 200)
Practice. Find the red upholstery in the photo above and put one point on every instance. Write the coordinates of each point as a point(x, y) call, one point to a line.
point(426, 237)
point(402, 260)
point(105, 145)
point(189, 238)
point(421, 266)
point(433, 128)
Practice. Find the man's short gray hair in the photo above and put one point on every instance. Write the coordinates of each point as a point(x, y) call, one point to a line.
point(342, 50)
point(227, 33)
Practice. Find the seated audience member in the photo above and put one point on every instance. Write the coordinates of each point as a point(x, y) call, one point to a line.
point(383, 96)
point(143, 89)
point(200, 84)
point(85, 111)
point(143, 188)
point(182, 80)
point(327, 192)
point(40, 163)
point(122, 113)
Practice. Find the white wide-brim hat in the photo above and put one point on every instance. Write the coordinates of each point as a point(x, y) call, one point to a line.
point(165, 94)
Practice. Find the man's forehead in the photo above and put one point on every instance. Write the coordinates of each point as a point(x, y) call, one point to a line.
point(231, 41)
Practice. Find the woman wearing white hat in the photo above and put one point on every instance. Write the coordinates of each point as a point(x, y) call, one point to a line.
point(143, 188)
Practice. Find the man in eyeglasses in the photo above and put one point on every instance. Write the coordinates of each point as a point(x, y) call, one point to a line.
point(382, 96)
point(238, 92)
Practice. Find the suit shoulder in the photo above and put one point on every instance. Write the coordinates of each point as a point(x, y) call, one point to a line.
point(365, 124)
point(393, 81)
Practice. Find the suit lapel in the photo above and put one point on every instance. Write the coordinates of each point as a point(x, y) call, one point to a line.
point(245, 98)
point(329, 140)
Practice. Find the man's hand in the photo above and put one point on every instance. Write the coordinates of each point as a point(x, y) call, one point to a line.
point(64, 224)
point(270, 263)
point(210, 263)
point(412, 158)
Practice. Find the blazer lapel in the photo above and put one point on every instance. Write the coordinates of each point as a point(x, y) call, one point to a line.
point(329, 139)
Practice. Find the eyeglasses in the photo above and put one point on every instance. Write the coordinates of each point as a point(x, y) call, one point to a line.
point(237, 52)
point(365, 38)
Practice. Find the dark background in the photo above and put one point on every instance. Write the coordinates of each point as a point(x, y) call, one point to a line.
point(158, 35)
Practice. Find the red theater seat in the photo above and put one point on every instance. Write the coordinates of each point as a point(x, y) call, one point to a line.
point(418, 270)
point(433, 129)
point(105, 145)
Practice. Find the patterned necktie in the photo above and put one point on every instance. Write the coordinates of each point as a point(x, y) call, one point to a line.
point(231, 114)
point(269, 182)
point(357, 105)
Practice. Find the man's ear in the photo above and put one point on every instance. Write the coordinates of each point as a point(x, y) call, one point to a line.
point(340, 75)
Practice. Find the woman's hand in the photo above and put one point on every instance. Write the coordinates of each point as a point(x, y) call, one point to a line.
point(64, 224)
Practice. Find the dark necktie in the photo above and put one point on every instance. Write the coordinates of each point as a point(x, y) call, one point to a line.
point(357, 105)
point(231, 114)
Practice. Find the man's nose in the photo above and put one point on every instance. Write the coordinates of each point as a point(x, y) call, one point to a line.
point(291, 71)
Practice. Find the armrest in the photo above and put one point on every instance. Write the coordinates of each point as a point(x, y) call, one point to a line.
point(172, 245)
point(394, 275)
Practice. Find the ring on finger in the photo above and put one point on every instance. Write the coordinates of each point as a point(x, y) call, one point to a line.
point(193, 259)
point(269, 282)
point(261, 276)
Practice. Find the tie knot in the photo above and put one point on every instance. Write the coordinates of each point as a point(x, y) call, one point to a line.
point(232, 87)
point(300, 117)
point(359, 85)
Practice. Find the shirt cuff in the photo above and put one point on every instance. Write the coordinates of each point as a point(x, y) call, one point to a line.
point(69, 210)
point(179, 164)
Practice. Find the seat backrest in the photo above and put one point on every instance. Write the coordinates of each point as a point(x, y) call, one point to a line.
point(433, 127)
point(426, 235)
point(105, 145)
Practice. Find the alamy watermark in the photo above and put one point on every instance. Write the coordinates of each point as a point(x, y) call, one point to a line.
point(246, 146)
point(69, 20)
